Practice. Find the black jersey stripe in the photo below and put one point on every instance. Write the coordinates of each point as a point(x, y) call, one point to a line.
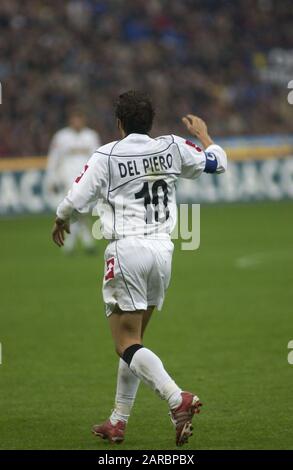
point(109, 185)
point(133, 155)
point(143, 176)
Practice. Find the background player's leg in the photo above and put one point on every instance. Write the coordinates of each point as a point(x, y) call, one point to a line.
point(71, 239)
point(86, 235)
point(126, 330)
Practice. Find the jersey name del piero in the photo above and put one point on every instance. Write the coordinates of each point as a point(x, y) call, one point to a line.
point(145, 165)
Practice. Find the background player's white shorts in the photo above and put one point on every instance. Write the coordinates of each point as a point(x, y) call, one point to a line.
point(137, 273)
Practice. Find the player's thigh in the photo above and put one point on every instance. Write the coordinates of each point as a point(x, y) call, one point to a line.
point(127, 263)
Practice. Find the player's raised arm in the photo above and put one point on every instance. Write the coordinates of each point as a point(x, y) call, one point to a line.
point(212, 159)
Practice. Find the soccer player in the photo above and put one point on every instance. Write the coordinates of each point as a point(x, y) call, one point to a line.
point(69, 151)
point(135, 178)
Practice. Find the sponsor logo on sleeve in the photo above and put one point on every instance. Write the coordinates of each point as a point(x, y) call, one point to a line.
point(81, 175)
point(196, 147)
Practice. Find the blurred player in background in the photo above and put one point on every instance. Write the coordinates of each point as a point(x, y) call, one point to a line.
point(69, 151)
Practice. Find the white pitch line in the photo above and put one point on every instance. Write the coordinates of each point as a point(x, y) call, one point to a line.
point(255, 259)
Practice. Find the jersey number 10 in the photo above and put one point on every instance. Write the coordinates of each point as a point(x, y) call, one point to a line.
point(151, 199)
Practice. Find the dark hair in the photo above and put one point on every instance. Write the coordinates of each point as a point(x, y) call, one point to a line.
point(135, 111)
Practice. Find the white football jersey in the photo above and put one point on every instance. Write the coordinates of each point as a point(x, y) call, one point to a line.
point(68, 153)
point(133, 181)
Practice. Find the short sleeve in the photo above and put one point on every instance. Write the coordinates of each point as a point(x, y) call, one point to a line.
point(195, 160)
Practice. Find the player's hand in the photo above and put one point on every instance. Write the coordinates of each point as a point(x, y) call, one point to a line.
point(58, 232)
point(198, 128)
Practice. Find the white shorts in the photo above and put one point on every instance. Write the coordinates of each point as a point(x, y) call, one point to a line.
point(137, 273)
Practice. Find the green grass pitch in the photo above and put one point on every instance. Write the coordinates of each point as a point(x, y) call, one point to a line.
point(223, 333)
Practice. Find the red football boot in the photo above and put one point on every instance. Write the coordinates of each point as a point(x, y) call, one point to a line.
point(114, 433)
point(182, 417)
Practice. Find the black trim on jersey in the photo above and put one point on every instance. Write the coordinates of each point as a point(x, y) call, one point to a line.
point(107, 154)
point(180, 155)
point(123, 276)
point(109, 172)
point(179, 151)
point(144, 176)
point(135, 155)
point(176, 143)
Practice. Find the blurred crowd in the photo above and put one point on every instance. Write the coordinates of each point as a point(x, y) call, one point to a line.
point(205, 57)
